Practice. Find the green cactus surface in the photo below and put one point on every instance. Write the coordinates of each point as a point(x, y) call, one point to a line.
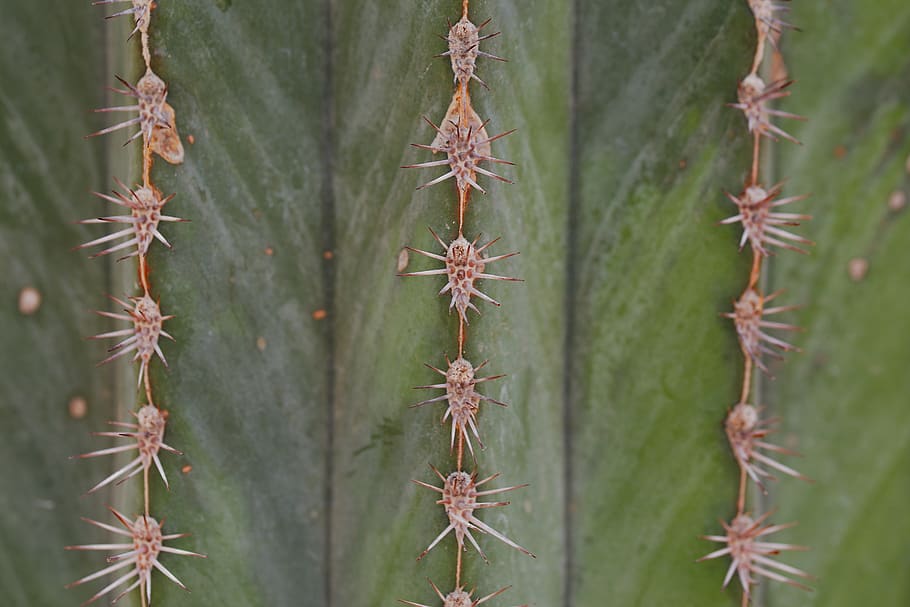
point(297, 346)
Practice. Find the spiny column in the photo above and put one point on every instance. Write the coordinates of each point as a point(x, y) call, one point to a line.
point(763, 227)
point(142, 543)
point(463, 138)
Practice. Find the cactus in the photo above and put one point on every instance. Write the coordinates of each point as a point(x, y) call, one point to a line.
point(298, 347)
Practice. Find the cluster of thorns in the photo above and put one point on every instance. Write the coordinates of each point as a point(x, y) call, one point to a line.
point(462, 137)
point(142, 215)
point(763, 228)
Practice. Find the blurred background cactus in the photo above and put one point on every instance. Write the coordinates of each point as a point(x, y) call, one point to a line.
point(298, 347)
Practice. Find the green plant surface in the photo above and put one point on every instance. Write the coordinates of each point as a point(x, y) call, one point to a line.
point(653, 365)
point(843, 401)
point(299, 443)
point(382, 328)
point(248, 381)
point(50, 67)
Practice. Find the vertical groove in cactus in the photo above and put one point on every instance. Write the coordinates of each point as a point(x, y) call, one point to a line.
point(650, 360)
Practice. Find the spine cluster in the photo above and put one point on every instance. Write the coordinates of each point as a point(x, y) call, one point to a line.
point(764, 227)
point(140, 210)
point(462, 137)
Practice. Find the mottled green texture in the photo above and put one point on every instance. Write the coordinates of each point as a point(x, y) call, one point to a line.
point(247, 82)
point(50, 68)
point(654, 368)
point(297, 428)
point(844, 401)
